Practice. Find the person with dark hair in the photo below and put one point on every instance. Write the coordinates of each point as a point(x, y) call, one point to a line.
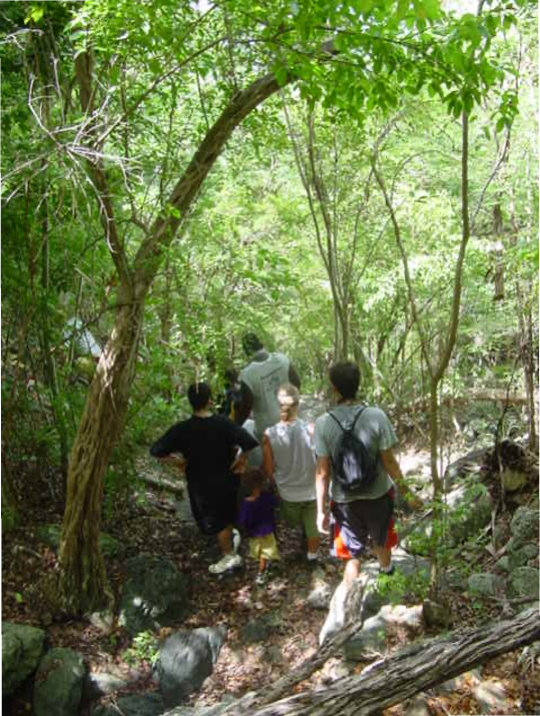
point(231, 388)
point(362, 514)
point(259, 383)
point(256, 517)
point(208, 444)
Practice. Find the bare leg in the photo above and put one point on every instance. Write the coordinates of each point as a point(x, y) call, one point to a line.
point(224, 539)
point(313, 544)
point(384, 556)
point(262, 564)
point(352, 570)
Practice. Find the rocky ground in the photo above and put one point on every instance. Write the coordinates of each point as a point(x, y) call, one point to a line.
point(270, 630)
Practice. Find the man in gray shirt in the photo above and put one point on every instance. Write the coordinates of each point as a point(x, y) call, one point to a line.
point(259, 383)
point(366, 513)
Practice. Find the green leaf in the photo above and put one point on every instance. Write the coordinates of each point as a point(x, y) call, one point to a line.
point(35, 14)
point(402, 8)
point(281, 75)
point(155, 66)
point(508, 21)
point(432, 9)
point(364, 6)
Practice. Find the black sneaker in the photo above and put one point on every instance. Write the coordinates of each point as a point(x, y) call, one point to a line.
point(387, 574)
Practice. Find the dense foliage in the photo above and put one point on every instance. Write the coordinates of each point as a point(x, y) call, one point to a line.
point(290, 234)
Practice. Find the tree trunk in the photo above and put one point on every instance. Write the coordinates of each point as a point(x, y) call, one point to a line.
point(50, 366)
point(10, 508)
point(83, 583)
point(415, 668)
point(498, 251)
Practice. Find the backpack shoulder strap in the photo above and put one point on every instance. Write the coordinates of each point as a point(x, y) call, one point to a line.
point(336, 420)
point(348, 430)
point(358, 414)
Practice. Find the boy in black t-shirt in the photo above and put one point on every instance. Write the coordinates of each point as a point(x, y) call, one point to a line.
point(208, 444)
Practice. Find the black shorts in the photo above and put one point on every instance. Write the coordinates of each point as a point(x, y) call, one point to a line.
point(355, 523)
point(214, 507)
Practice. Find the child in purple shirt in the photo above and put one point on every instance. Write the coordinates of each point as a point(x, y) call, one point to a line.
point(257, 519)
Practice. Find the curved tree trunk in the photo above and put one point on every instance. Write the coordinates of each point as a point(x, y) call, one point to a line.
point(83, 583)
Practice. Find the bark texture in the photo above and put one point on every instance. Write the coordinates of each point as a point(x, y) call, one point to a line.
point(83, 584)
point(399, 677)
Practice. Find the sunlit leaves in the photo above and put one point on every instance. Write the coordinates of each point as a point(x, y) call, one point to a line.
point(35, 13)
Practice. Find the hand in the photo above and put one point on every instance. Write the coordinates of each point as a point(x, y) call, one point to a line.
point(239, 464)
point(322, 523)
point(414, 502)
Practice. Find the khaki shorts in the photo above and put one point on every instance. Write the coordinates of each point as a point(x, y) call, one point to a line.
point(301, 513)
point(265, 547)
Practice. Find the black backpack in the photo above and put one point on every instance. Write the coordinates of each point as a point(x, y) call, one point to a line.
point(353, 466)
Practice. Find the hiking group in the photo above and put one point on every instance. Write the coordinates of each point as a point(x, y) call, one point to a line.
point(336, 477)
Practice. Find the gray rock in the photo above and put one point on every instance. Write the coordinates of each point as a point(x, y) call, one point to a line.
point(59, 683)
point(411, 618)
point(103, 683)
point(372, 600)
point(491, 696)
point(255, 631)
point(104, 621)
point(513, 480)
point(470, 463)
point(524, 526)
point(470, 511)
point(523, 582)
point(273, 654)
point(155, 595)
point(417, 706)
point(205, 710)
point(408, 617)
point(134, 705)
point(375, 594)
point(408, 564)
point(186, 659)
point(503, 564)
point(372, 637)
point(520, 557)
point(435, 614)
point(483, 584)
point(320, 597)
point(22, 647)
point(468, 678)
point(342, 670)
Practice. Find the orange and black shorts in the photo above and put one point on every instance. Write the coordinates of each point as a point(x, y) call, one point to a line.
point(355, 525)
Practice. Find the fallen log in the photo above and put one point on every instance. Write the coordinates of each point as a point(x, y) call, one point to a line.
point(397, 678)
point(494, 395)
point(330, 647)
point(162, 483)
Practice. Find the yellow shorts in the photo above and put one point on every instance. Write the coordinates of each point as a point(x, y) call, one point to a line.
point(265, 547)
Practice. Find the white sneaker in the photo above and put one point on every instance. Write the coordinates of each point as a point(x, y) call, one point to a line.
point(236, 539)
point(226, 563)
